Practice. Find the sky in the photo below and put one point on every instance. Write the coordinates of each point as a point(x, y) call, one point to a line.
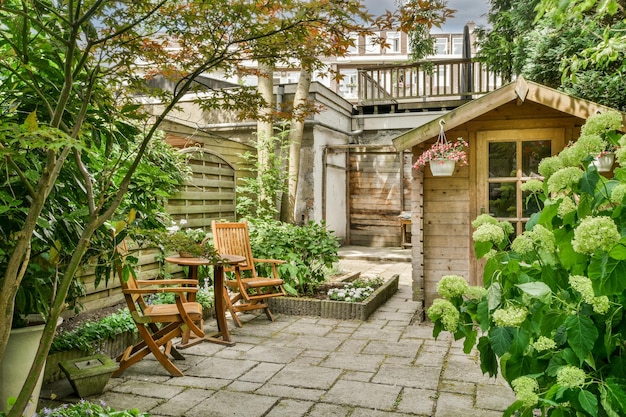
point(467, 10)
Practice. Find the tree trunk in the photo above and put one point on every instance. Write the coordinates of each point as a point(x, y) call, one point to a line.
point(265, 127)
point(296, 132)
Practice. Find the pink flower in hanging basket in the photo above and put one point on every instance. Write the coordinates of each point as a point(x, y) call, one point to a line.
point(442, 149)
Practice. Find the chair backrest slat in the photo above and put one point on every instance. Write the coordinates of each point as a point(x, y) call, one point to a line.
point(232, 238)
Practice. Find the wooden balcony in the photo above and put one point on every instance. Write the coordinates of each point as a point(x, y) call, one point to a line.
point(449, 83)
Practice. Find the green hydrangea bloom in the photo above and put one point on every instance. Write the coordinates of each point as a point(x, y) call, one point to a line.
point(532, 186)
point(591, 144)
point(512, 316)
point(525, 389)
point(574, 155)
point(489, 232)
point(566, 206)
point(618, 193)
point(570, 377)
point(523, 244)
point(601, 122)
point(584, 286)
point(451, 286)
point(507, 227)
point(564, 179)
point(445, 311)
point(595, 233)
point(601, 304)
point(482, 219)
point(475, 292)
point(544, 343)
point(543, 237)
point(539, 237)
point(549, 166)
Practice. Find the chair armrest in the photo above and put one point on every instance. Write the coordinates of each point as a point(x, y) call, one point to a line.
point(151, 282)
point(161, 290)
point(273, 261)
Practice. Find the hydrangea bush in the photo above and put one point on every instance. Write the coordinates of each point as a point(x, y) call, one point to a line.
point(550, 317)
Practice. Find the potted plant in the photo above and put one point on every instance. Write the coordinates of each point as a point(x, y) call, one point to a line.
point(443, 155)
point(188, 242)
point(600, 136)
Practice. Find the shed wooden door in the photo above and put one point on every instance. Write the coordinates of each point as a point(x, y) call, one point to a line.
point(505, 160)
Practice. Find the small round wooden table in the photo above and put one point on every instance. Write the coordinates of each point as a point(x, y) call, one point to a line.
point(218, 291)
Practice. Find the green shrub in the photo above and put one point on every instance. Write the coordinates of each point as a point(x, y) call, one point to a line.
point(551, 316)
point(309, 251)
point(87, 333)
point(86, 408)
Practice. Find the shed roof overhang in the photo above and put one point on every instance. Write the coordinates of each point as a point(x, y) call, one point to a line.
point(521, 90)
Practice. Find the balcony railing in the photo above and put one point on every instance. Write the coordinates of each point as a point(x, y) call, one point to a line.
point(453, 79)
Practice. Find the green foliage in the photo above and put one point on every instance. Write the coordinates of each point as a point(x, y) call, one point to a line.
point(308, 251)
point(552, 318)
point(258, 194)
point(86, 408)
point(577, 46)
point(85, 336)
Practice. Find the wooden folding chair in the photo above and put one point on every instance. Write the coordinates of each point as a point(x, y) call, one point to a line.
point(249, 290)
point(158, 324)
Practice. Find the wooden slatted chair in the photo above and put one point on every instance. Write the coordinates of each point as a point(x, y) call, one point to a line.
point(249, 290)
point(158, 324)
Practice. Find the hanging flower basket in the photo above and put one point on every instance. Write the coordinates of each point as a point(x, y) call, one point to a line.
point(442, 167)
point(443, 155)
point(604, 162)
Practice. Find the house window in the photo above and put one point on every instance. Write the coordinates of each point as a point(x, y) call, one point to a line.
point(441, 46)
point(510, 159)
point(371, 44)
point(348, 84)
point(457, 46)
point(393, 40)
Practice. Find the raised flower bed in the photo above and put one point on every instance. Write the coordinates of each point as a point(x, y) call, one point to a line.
point(343, 310)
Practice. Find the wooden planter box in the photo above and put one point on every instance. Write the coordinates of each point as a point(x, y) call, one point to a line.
point(335, 309)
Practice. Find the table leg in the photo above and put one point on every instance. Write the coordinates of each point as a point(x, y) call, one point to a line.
point(220, 309)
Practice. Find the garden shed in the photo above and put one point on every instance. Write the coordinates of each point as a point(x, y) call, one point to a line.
point(508, 131)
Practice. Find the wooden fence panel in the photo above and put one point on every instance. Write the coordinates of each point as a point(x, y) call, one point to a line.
point(209, 195)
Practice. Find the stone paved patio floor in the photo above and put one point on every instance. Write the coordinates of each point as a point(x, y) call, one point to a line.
point(307, 366)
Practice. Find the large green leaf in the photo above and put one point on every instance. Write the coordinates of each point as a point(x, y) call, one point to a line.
point(481, 248)
point(520, 365)
point(619, 251)
point(488, 359)
point(494, 296)
point(616, 389)
point(588, 402)
point(537, 290)
point(501, 339)
point(581, 335)
point(483, 315)
point(589, 181)
point(470, 340)
point(607, 275)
